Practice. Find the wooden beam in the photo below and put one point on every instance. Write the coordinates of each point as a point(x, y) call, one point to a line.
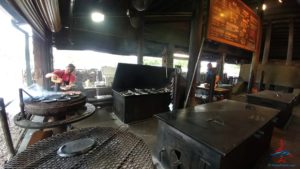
point(170, 52)
point(267, 45)
point(222, 62)
point(255, 56)
point(140, 36)
point(196, 37)
point(290, 43)
point(148, 17)
point(43, 61)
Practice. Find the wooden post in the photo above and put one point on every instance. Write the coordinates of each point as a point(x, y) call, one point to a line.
point(43, 60)
point(221, 66)
point(196, 39)
point(255, 56)
point(170, 52)
point(253, 71)
point(212, 88)
point(267, 44)
point(140, 36)
point(289, 57)
point(27, 60)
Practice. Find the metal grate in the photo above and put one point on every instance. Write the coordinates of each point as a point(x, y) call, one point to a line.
point(114, 149)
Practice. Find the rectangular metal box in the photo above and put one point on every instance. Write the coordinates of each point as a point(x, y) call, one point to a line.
point(135, 108)
point(278, 100)
point(219, 135)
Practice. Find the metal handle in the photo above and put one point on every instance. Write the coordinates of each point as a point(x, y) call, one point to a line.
point(161, 153)
point(176, 163)
point(266, 102)
point(275, 120)
point(259, 134)
point(204, 163)
point(250, 107)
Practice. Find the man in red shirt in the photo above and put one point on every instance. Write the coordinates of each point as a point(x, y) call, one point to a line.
point(63, 79)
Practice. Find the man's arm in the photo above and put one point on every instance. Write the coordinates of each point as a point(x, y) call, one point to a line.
point(71, 83)
point(68, 87)
point(48, 75)
point(54, 77)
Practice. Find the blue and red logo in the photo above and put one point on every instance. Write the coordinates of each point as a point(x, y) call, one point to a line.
point(281, 156)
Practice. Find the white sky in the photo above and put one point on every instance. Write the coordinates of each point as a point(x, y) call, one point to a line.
point(87, 59)
point(12, 57)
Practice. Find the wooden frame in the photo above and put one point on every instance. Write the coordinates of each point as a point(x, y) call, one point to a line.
point(233, 22)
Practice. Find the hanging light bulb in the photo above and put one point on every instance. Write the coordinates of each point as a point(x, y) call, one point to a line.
point(264, 7)
point(97, 17)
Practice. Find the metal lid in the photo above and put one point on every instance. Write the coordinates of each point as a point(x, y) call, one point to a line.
point(76, 147)
point(222, 125)
point(130, 76)
point(274, 96)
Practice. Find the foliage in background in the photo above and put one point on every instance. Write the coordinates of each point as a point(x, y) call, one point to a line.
point(182, 63)
point(152, 61)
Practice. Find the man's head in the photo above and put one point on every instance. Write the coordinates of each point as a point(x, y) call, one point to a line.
point(69, 69)
point(209, 66)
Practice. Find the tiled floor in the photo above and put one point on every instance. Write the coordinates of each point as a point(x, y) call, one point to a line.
point(105, 118)
point(288, 139)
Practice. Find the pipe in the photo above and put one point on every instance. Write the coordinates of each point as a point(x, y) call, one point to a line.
point(212, 88)
point(194, 74)
point(28, 94)
point(176, 86)
point(140, 37)
point(21, 102)
point(70, 21)
point(141, 5)
point(5, 128)
point(8, 103)
point(197, 35)
point(261, 82)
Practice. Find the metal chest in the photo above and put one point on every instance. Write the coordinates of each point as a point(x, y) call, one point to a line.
point(220, 135)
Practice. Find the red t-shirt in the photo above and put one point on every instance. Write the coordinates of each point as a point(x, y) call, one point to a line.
point(67, 78)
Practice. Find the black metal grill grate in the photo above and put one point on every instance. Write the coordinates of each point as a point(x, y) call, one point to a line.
point(114, 149)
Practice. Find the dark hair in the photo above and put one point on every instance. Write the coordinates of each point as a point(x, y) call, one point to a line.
point(71, 66)
point(209, 65)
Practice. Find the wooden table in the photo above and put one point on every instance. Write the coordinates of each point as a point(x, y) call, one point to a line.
point(217, 91)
